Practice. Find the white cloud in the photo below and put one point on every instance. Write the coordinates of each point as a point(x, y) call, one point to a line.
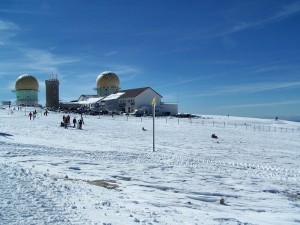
point(42, 60)
point(110, 53)
point(292, 102)
point(248, 88)
point(285, 12)
point(7, 30)
point(6, 25)
point(223, 29)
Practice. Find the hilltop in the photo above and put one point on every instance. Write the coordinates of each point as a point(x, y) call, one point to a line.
point(107, 173)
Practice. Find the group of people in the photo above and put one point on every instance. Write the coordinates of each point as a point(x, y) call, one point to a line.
point(32, 114)
point(66, 122)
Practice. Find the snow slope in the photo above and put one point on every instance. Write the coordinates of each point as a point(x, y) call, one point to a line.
point(107, 173)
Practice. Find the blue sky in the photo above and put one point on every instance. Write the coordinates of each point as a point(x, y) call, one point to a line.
point(213, 57)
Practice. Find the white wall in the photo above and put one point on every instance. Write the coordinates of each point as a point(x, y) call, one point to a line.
point(169, 107)
point(145, 99)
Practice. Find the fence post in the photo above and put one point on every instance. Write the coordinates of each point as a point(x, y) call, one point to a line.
point(213, 123)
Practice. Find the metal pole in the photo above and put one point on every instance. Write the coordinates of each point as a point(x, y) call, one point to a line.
point(153, 127)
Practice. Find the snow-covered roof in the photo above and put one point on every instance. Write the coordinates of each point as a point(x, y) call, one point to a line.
point(90, 100)
point(113, 96)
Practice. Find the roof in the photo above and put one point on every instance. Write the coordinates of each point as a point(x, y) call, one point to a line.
point(132, 93)
point(26, 82)
point(107, 79)
point(90, 100)
point(88, 96)
point(113, 96)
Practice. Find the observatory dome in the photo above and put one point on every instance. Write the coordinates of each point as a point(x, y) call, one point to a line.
point(26, 82)
point(107, 79)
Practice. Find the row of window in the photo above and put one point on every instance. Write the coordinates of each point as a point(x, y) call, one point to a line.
point(128, 101)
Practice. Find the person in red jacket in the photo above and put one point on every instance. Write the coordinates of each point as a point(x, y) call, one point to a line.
point(30, 115)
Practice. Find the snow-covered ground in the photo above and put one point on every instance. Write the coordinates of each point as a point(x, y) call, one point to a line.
point(108, 174)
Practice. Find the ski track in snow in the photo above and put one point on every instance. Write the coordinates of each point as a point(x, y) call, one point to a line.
point(33, 152)
point(27, 199)
point(43, 182)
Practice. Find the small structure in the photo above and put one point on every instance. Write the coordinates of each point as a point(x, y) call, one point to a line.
point(52, 92)
point(6, 102)
point(26, 88)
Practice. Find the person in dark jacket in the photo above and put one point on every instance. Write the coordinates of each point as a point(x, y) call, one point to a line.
point(74, 122)
point(80, 124)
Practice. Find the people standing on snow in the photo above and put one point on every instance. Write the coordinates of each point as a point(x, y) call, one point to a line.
point(74, 122)
point(30, 115)
point(34, 114)
point(80, 124)
point(66, 122)
point(46, 112)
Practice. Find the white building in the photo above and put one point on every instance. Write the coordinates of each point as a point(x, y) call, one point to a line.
point(138, 100)
point(110, 98)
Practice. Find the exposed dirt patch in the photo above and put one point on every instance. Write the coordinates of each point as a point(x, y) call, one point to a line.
point(292, 195)
point(109, 184)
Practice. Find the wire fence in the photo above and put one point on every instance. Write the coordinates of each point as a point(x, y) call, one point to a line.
point(276, 126)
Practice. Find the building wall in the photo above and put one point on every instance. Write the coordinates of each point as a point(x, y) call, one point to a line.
point(168, 108)
point(145, 99)
point(52, 93)
point(112, 105)
point(27, 97)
